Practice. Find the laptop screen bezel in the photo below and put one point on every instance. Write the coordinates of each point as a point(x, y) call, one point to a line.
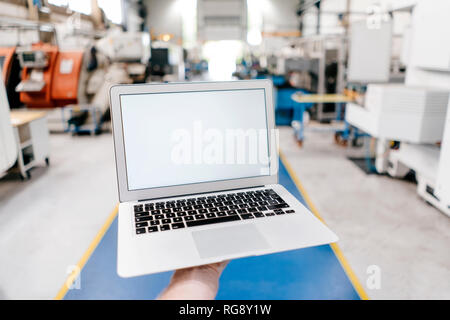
point(126, 195)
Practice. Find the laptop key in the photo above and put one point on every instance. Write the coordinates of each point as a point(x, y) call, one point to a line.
point(247, 216)
point(156, 212)
point(177, 225)
point(211, 221)
point(199, 216)
point(159, 216)
point(211, 215)
point(152, 229)
point(164, 227)
point(141, 224)
point(142, 219)
point(290, 211)
point(270, 214)
point(140, 230)
point(188, 218)
point(154, 223)
point(221, 214)
point(141, 214)
point(258, 214)
point(202, 211)
point(181, 214)
point(278, 206)
point(191, 212)
point(177, 219)
point(165, 221)
point(170, 215)
point(231, 212)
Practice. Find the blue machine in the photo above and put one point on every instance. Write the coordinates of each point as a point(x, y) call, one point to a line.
point(286, 109)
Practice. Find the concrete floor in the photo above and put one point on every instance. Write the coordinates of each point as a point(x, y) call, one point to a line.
point(380, 221)
point(47, 223)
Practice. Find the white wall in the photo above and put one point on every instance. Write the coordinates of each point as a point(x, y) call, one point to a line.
point(164, 16)
point(279, 15)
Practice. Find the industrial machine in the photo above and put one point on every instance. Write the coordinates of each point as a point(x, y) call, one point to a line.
point(131, 48)
point(415, 115)
point(50, 78)
point(317, 64)
point(8, 146)
point(166, 62)
point(399, 112)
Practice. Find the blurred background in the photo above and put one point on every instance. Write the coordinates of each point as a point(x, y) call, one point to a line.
point(361, 97)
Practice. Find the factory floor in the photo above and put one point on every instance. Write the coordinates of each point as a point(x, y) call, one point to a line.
point(48, 222)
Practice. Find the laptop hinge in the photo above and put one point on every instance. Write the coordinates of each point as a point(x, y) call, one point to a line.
point(192, 194)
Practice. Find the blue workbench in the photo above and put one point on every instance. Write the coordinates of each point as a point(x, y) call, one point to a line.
point(312, 273)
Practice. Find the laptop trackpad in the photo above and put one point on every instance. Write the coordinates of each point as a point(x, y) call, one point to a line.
point(229, 240)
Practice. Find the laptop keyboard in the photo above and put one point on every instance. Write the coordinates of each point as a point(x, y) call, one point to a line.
point(192, 212)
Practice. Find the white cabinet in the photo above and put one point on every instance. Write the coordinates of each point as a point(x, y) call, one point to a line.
point(443, 180)
point(8, 149)
point(32, 138)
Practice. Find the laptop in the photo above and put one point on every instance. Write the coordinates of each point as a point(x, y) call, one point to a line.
point(197, 173)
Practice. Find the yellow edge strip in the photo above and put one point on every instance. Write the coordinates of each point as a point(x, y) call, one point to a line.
point(337, 251)
point(73, 276)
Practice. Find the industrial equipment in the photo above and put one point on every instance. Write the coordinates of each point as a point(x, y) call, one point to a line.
point(166, 62)
point(50, 78)
point(8, 146)
point(402, 113)
point(316, 64)
point(414, 114)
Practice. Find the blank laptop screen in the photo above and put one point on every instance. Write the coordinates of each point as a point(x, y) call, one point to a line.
point(181, 138)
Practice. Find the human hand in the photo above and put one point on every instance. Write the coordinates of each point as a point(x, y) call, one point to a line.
point(196, 283)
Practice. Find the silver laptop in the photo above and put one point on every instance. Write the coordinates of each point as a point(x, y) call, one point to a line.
point(197, 172)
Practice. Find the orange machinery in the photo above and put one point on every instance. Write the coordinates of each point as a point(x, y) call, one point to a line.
point(50, 78)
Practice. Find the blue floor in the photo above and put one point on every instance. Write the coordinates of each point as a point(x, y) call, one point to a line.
point(312, 273)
